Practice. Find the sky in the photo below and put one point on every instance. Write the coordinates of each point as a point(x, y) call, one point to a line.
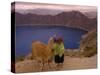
point(24, 7)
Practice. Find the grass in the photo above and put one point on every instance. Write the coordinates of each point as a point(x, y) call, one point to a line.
point(90, 51)
point(19, 58)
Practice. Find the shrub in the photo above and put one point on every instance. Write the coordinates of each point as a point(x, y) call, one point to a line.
point(90, 51)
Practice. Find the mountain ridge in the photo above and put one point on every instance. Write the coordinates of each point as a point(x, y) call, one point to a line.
point(71, 18)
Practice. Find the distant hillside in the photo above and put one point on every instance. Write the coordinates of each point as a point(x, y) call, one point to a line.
point(91, 14)
point(89, 43)
point(71, 18)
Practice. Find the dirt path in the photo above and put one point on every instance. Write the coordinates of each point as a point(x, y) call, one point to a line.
point(70, 63)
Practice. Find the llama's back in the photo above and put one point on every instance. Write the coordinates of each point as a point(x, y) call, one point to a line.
point(40, 50)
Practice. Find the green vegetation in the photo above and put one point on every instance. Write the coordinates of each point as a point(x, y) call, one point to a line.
point(89, 44)
point(19, 58)
point(22, 58)
point(90, 51)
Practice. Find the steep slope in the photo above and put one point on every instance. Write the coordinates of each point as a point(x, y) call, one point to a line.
point(88, 44)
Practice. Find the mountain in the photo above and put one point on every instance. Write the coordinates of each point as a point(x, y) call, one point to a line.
point(91, 14)
point(71, 18)
point(88, 44)
point(40, 11)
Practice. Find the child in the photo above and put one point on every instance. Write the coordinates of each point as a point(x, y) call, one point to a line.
point(58, 48)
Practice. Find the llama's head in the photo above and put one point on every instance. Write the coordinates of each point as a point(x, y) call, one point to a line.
point(50, 46)
point(50, 43)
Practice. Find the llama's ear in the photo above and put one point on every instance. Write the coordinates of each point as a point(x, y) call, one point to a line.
point(50, 42)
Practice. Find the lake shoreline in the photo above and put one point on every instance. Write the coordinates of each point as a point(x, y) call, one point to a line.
point(51, 25)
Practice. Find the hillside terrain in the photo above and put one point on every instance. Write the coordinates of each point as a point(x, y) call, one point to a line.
point(72, 19)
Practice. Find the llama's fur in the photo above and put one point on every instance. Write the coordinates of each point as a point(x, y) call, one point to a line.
point(42, 52)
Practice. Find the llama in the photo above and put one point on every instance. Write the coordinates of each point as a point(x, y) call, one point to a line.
point(42, 52)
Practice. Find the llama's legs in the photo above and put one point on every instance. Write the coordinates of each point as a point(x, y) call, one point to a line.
point(42, 65)
point(39, 65)
point(49, 65)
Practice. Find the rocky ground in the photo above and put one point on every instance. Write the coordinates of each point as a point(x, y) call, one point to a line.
point(70, 63)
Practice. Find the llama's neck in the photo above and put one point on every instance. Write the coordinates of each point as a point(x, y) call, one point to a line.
point(50, 42)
